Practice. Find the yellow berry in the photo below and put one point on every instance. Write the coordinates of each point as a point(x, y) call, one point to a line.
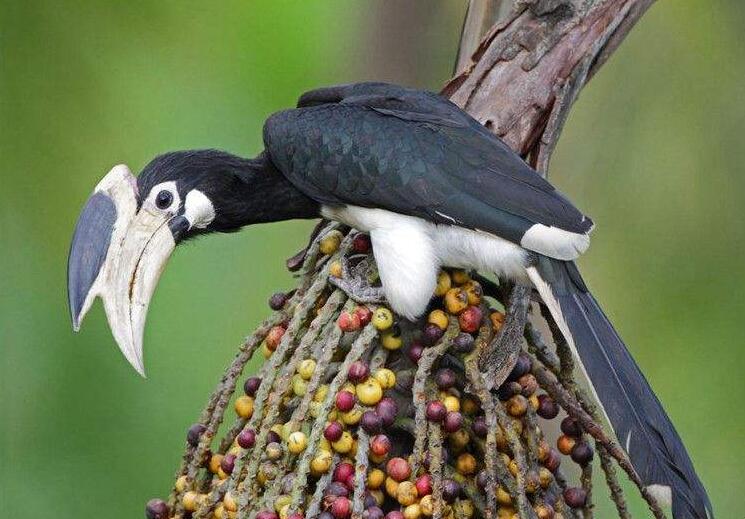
point(330, 242)
point(503, 497)
point(181, 483)
point(438, 318)
point(191, 501)
point(456, 300)
point(464, 508)
point(460, 277)
point(306, 368)
point(427, 506)
point(348, 387)
point(299, 385)
point(369, 392)
point(474, 292)
point(443, 283)
point(344, 444)
point(321, 463)
point(451, 403)
point(459, 439)
point(215, 461)
point(497, 320)
point(385, 377)
point(281, 502)
point(265, 351)
point(391, 340)
point(321, 392)
point(352, 417)
point(379, 496)
point(412, 512)
point(382, 319)
point(229, 502)
point(375, 479)
point(297, 442)
point(406, 493)
point(219, 512)
point(466, 464)
point(391, 487)
point(335, 269)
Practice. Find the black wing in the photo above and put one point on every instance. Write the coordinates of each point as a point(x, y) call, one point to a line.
point(414, 153)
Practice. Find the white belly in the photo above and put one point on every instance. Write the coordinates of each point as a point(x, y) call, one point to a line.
point(409, 252)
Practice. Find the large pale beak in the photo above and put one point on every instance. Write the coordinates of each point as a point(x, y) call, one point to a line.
point(118, 253)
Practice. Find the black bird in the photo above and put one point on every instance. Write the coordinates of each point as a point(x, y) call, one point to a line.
point(432, 187)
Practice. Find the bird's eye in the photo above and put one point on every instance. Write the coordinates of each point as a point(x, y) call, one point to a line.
point(164, 199)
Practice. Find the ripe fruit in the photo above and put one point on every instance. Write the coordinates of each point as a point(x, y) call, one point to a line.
point(244, 406)
point(436, 411)
point(274, 337)
point(450, 490)
point(565, 444)
point(341, 508)
point(470, 319)
point(547, 408)
point(415, 351)
point(575, 497)
point(358, 372)
point(445, 378)
point(380, 445)
point(227, 463)
point(528, 383)
point(343, 471)
point(251, 385)
point(369, 392)
point(382, 319)
point(195, 433)
point(348, 321)
point(424, 485)
point(387, 410)
point(582, 453)
point(398, 469)
point(463, 343)
point(333, 431)
point(453, 422)
point(277, 301)
point(364, 313)
point(571, 427)
point(432, 333)
point(297, 442)
point(371, 422)
point(361, 243)
point(345, 401)
point(479, 427)
point(156, 509)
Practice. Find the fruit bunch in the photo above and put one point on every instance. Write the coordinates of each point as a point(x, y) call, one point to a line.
point(357, 413)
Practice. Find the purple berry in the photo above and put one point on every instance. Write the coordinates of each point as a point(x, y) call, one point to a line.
point(277, 301)
point(247, 438)
point(251, 385)
point(195, 433)
point(371, 422)
point(445, 378)
point(156, 509)
point(453, 421)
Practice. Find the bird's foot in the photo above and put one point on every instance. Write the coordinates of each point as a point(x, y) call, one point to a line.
point(354, 282)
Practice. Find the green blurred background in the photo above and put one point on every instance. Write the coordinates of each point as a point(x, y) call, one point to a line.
point(652, 151)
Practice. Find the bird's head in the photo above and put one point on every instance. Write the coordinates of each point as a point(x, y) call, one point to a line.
point(130, 226)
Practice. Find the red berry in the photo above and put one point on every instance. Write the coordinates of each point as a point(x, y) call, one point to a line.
point(333, 431)
point(553, 460)
point(415, 351)
point(395, 514)
point(423, 485)
point(341, 508)
point(247, 438)
point(266, 514)
point(358, 372)
point(364, 313)
point(156, 509)
point(361, 243)
point(398, 469)
point(342, 472)
point(436, 411)
point(344, 401)
point(470, 319)
point(348, 322)
point(380, 445)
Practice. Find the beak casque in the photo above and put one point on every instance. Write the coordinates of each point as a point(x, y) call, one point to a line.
point(118, 253)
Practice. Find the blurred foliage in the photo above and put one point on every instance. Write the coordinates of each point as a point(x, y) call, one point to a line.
point(651, 151)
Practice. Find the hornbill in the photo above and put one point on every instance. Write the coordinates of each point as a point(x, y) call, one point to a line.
point(433, 188)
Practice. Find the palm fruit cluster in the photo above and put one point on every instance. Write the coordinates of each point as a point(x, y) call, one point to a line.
point(357, 413)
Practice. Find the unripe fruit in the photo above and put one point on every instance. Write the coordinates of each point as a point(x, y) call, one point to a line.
point(451, 403)
point(344, 444)
point(229, 502)
point(375, 479)
point(191, 501)
point(195, 433)
point(456, 300)
point(470, 319)
point(443, 283)
point(244, 406)
point(517, 406)
point(398, 469)
point(214, 463)
point(385, 377)
point(474, 292)
point(406, 493)
point(528, 383)
point(306, 369)
point(344, 401)
point(547, 408)
point(544, 511)
point(497, 320)
point(321, 463)
point(297, 442)
point(369, 392)
point(274, 451)
point(156, 509)
point(438, 318)
point(336, 488)
point(329, 244)
point(391, 339)
point(382, 319)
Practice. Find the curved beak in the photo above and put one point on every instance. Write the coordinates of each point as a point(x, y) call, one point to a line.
point(118, 253)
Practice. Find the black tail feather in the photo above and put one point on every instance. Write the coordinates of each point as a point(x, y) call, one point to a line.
point(638, 419)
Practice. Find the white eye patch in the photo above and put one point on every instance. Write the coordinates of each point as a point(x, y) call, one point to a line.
point(164, 197)
point(198, 209)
